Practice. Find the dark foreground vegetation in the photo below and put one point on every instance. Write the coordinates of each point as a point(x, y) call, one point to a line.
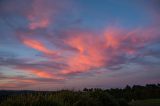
point(129, 96)
point(147, 102)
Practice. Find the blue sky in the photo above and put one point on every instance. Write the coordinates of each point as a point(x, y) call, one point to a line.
point(52, 44)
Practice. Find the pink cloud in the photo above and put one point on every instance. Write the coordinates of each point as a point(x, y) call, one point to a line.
point(41, 73)
point(91, 51)
point(37, 45)
point(100, 51)
point(42, 13)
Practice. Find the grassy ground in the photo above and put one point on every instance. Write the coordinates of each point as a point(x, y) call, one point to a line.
point(63, 98)
point(148, 102)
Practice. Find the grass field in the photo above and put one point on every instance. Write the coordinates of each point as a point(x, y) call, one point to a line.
point(62, 98)
point(96, 97)
point(148, 102)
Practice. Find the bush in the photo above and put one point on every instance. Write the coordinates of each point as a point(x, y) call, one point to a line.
point(123, 102)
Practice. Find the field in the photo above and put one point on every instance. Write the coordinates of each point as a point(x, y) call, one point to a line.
point(148, 95)
point(72, 98)
point(148, 102)
point(63, 98)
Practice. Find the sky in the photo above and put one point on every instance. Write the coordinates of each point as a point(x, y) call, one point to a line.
point(76, 44)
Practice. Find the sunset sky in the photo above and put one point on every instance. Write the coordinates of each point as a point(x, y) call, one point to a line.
point(72, 44)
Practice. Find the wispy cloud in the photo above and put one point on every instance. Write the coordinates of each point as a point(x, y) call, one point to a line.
point(37, 45)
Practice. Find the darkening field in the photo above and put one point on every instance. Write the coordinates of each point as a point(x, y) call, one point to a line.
point(129, 96)
point(48, 46)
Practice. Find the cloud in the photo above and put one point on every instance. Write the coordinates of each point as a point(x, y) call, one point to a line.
point(24, 82)
point(39, 16)
point(35, 44)
point(113, 47)
point(86, 51)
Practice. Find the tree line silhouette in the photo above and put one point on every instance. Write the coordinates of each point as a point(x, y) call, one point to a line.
point(136, 92)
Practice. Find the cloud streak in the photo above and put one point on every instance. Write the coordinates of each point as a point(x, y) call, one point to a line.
point(37, 45)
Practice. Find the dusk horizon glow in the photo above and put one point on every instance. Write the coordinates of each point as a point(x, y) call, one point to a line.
point(76, 44)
